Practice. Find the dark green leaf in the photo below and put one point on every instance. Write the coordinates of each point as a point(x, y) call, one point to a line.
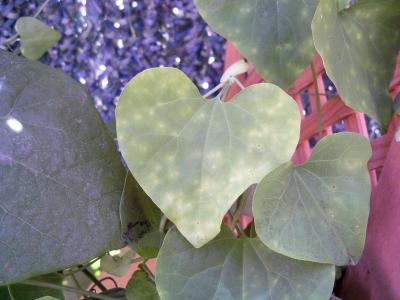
point(140, 287)
point(149, 245)
point(61, 177)
point(193, 156)
point(36, 37)
point(139, 215)
point(26, 292)
point(229, 268)
point(275, 35)
point(359, 47)
point(318, 211)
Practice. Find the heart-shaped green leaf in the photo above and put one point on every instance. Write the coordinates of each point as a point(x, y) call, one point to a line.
point(318, 211)
point(193, 156)
point(36, 37)
point(231, 268)
point(359, 48)
point(61, 177)
point(275, 35)
point(141, 288)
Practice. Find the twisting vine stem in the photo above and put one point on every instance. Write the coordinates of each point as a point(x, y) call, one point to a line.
point(146, 269)
point(67, 289)
point(94, 279)
point(10, 293)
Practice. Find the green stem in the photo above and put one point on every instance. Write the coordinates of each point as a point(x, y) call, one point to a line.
point(146, 269)
point(94, 279)
point(14, 38)
point(76, 281)
point(70, 273)
point(163, 222)
point(66, 289)
point(318, 99)
point(10, 293)
point(137, 260)
point(40, 9)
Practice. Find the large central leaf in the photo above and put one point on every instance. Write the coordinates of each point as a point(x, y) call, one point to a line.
point(275, 35)
point(61, 177)
point(193, 156)
point(318, 211)
point(236, 269)
point(359, 46)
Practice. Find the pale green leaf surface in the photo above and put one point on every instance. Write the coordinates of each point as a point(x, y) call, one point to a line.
point(318, 211)
point(193, 156)
point(117, 265)
point(36, 37)
point(61, 177)
point(275, 35)
point(140, 287)
point(359, 48)
point(231, 269)
point(47, 298)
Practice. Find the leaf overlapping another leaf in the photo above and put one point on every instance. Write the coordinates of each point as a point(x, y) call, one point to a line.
point(275, 35)
point(359, 47)
point(194, 156)
point(61, 176)
point(318, 211)
point(230, 268)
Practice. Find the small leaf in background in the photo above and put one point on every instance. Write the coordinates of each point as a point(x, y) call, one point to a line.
point(343, 4)
point(36, 37)
point(140, 287)
point(318, 211)
point(149, 245)
point(359, 47)
point(275, 35)
point(237, 269)
point(117, 265)
point(27, 292)
point(192, 156)
point(139, 215)
point(61, 177)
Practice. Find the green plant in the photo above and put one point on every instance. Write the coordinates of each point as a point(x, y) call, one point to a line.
point(65, 197)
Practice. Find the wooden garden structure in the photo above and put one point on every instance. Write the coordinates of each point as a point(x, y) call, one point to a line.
point(377, 275)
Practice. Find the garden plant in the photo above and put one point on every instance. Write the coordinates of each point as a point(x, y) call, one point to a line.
point(173, 178)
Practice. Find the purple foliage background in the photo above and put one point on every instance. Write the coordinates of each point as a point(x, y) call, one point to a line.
point(106, 42)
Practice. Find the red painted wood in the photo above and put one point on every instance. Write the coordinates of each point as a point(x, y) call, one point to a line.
point(377, 274)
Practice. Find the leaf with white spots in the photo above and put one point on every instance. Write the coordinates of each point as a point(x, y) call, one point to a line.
point(192, 156)
point(36, 37)
point(236, 269)
point(359, 47)
point(318, 211)
point(275, 35)
point(61, 176)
